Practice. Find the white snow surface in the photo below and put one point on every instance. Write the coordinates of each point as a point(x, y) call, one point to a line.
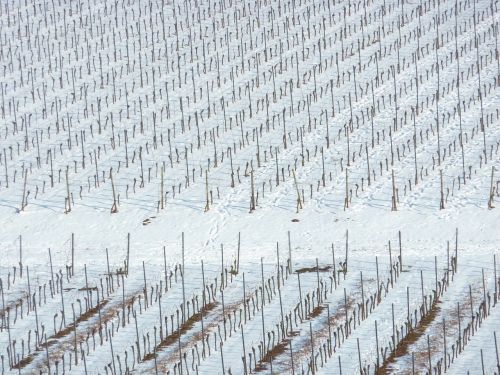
point(236, 112)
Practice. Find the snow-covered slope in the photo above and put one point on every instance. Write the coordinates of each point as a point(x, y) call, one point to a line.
point(142, 141)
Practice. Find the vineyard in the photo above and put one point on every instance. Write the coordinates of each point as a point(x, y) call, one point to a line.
point(231, 187)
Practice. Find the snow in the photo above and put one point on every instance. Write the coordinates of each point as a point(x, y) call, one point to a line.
point(114, 103)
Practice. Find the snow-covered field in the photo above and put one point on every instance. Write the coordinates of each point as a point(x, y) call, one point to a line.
point(231, 187)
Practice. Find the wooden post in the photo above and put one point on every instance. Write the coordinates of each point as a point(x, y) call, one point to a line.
point(277, 168)
point(154, 349)
point(187, 162)
point(326, 120)
point(74, 334)
point(496, 350)
point(346, 248)
point(313, 366)
point(323, 166)
point(394, 342)
point(359, 357)
point(38, 338)
point(444, 345)
point(262, 302)
point(482, 127)
point(346, 317)
point(376, 343)
point(436, 276)
point(179, 343)
point(6, 170)
point(299, 200)
point(244, 300)
point(51, 272)
point(284, 129)
point(492, 189)
point(128, 252)
point(495, 279)
point(317, 279)
point(231, 162)
point(68, 198)
point(137, 336)
point(482, 361)
point(400, 253)
point(447, 263)
point(62, 302)
point(21, 256)
point(258, 148)
point(162, 198)
point(300, 295)
point(183, 286)
point(408, 306)
point(329, 329)
point(145, 286)
point(394, 206)
point(244, 352)
point(114, 207)
point(87, 285)
point(459, 329)
point(334, 267)
point(47, 355)
point(429, 354)
point(346, 199)
point(207, 204)
point(72, 254)
point(378, 281)
point(437, 93)
point(414, 115)
point(83, 357)
point(123, 301)
point(368, 164)
point(363, 312)
point(471, 308)
point(11, 360)
point(52, 168)
point(252, 194)
point(203, 308)
point(238, 258)
point(221, 358)
point(484, 291)
point(441, 201)
point(222, 269)
point(24, 203)
point(290, 254)
point(459, 106)
point(390, 265)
